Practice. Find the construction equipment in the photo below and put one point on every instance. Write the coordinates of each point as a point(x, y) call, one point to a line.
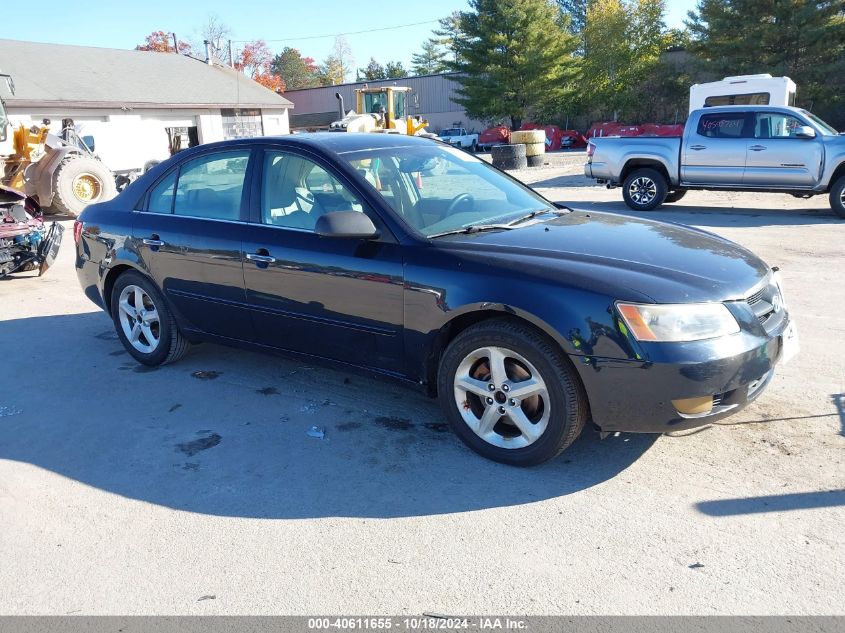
point(380, 109)
point(59, 171)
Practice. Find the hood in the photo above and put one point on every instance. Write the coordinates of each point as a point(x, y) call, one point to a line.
point(627, 257)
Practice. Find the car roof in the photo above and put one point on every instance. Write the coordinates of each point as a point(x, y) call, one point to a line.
point(755, 108)
point(334, 142)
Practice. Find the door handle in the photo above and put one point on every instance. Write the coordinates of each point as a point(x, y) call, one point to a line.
point(153, 241)
point(757, 148)
point(258, 257)
point(698, 147)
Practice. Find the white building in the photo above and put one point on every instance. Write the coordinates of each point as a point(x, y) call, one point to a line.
point(136, 105)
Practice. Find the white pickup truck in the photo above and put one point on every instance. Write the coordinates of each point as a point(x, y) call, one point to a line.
point(458, 136)
point(744, 148)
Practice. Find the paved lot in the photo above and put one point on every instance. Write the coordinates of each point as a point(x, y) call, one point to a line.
point(125, 491)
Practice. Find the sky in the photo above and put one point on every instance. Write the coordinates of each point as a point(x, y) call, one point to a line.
point(281, 23)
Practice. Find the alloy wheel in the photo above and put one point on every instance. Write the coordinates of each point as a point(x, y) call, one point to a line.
point(642, 190)
point(502, 397)
point(139, 319)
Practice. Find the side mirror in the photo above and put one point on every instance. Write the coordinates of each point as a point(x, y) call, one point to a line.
point(352, 225)
point(805, 131)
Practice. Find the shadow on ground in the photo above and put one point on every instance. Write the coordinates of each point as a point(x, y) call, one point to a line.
point(773, 503)
point(224, 432)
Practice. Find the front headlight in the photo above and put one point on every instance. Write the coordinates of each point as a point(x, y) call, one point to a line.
point(674, 323)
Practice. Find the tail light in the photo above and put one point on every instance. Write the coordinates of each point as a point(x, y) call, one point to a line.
point(77, 231)
point(591, 149)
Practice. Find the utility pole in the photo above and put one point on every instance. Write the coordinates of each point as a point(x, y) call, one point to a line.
point(231, 55)
point(175, 43)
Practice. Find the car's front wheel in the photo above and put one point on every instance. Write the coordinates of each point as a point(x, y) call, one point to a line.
point(644, 189)
point(144, 322)
point(510, 394)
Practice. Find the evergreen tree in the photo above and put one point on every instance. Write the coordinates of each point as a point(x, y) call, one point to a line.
point(296, 71)
point(801, 39)
point(430, 60)
point(395, 70)
point(515, 58)
point(450, 33)
point(373, 70)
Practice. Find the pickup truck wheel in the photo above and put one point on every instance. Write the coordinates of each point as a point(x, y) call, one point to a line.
point(674, 196)
point(510, 394)
point(837, 197)
point(644, 189)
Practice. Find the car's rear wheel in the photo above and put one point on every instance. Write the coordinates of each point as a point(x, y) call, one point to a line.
point(509, 394)
point(144, 322)
point(837, 197)
point(644, 189)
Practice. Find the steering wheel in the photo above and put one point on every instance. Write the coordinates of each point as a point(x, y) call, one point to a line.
point(461, 198)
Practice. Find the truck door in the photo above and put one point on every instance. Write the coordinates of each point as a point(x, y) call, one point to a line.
point(777, 157)
point(713, 153)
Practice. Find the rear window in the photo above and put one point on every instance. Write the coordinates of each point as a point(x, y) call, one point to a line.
point(753, 98)
point(723, 125)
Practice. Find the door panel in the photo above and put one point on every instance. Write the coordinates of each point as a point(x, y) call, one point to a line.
point(189, 235)
point(776, 158)
point(336, 298)
point(714, 153)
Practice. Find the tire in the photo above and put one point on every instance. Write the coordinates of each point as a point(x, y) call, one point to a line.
point(474, 147)
point(674, 196)
point(528, 137)
point(170, 346)
point(837, 197)
point(559, 409)
point(509, 156)
point(644, 189)
point(79, 181)
point(535, 149)
point(536, 161)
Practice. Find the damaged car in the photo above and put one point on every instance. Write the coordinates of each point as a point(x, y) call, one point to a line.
point(27, 243)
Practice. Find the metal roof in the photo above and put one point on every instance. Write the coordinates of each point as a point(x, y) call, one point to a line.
point(85, 76)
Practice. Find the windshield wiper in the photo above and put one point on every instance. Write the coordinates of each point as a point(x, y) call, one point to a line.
point(534, 214)
point(473, 228)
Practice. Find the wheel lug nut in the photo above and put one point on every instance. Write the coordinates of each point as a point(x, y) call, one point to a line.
point(505, 388)
point(513, 402)
point(491, 387)
point(502, 410)
point(489, 400)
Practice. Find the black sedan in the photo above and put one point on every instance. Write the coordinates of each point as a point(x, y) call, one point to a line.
point(414, 260)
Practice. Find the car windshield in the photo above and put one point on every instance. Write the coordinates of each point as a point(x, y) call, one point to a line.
point(450, 132)
point(437, 189)
point(826, 129)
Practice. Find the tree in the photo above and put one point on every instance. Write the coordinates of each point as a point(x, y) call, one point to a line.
point(576, 11)
point(623, 43)
point(342, 53)
point(450, 33)
point(162, 42)
point(217, 34)
point(255, 61)
point(802, 39)
point(430, 60)
point(395, 70)
point(295, 70)
point(331, 72)
point(374, 70)
point(515, 59)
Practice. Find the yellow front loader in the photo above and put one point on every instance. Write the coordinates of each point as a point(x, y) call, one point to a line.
point(381, 109)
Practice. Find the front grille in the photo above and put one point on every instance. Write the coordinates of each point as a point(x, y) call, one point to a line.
point(766, 304)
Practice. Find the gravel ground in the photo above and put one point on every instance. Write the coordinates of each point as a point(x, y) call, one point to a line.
point(125, 491)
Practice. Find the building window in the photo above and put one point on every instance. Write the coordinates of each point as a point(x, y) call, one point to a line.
point(241, 123)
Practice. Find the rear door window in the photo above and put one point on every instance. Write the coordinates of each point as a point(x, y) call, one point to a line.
point(212, 186)
point(161, 196)
point(723, 125)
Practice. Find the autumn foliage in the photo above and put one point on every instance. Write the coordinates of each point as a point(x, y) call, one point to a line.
point(255, 60)
point(161, 42)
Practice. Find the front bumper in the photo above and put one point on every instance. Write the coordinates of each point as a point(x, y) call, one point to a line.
point(636, 396)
